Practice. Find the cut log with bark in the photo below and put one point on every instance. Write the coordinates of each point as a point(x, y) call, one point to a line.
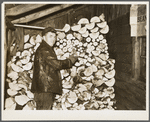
point(102, 17)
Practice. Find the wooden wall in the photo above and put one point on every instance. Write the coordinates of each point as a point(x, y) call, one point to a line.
point(118, 38)
point(120, 46)
point(58, 20)
point(130, 94)
point(143, 59)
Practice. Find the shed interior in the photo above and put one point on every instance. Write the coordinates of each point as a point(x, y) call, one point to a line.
point(130, 86)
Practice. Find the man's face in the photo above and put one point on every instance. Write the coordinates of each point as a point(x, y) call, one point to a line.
point(50, 38)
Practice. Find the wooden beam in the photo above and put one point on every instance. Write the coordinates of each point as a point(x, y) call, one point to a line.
point(136, 58)
point(20, 9)
point(32, 27)
point(42, 13)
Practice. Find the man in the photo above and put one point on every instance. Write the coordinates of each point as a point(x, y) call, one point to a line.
point(46, 73)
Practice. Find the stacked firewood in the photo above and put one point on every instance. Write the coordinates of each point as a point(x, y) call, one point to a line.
point(88, 85)
point(20, 74)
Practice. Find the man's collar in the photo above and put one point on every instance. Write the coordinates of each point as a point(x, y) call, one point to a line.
point(44, 43)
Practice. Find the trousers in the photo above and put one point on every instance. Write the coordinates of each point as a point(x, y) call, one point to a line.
point(44, 101)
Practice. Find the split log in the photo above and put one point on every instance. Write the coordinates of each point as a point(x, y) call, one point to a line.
point(82, 30)
point(76, 27)
point(94, 30)
point(94, 35)
point(14, 86)
point(110, 74)
point(95, 19)
point(72, 98)
point(90, 25)
point(66, 28)
point(61, 35)
point(102, 24)
point(21, 99)
point(110, 82)
point(16, 68)
point(12, 107)
point(83, 21)
point(105, 30)
point(97, 82)
point(26, 38)
point(11, 92)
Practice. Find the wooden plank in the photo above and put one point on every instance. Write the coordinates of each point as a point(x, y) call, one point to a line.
point(81, 12)
point(136, 58)
point(61, 21)
point(126, 29)
point(132, 92)
point(126, 68)
point(143, 69)
point(28, 26)
point(122, 76)
point(9, 40)
point(124, 58)
point(129, 104)
point(127, 94)
point(42, 13)
point(4, 64)
point(21, 38)
point(20, 9)
point(125, 39)
point(124, 48)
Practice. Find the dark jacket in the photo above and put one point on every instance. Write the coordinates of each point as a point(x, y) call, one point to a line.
point(46, 72)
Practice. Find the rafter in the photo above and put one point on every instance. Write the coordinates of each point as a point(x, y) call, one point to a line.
point(20, 9)
point(42, 13)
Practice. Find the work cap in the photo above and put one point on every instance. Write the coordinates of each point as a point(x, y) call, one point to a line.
point(48, 29)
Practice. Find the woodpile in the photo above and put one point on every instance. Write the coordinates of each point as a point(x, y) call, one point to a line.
point(88, 85)
point(20, 74)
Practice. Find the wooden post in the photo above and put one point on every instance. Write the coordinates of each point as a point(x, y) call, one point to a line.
point(135, 58)
point(7, 38)
point(138, 23)
point(4, 62)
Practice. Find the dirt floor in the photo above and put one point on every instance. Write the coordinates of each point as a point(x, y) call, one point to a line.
point(130, 95)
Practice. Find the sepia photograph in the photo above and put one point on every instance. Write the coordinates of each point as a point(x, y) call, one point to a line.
point(75, 59)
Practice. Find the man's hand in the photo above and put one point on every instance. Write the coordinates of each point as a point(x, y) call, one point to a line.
point(73, 58)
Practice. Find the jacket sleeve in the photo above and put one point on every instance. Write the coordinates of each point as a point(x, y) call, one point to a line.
point(55, 63)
